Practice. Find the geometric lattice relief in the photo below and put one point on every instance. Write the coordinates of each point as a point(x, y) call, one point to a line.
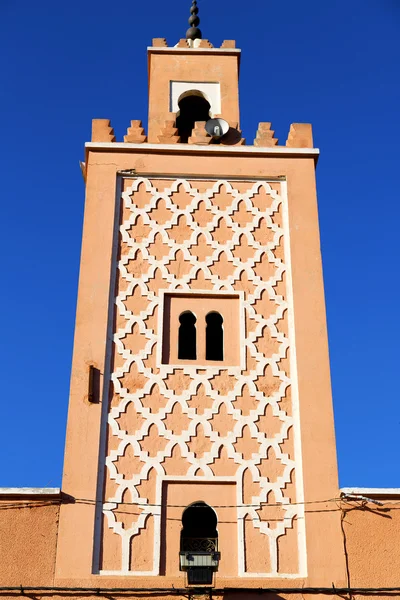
point(238, 423)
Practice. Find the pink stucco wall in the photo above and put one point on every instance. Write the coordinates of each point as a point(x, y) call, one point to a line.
point(28, 538)
point(372, 541)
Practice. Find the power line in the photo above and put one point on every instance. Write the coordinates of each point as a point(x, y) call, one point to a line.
point(153, 505)
point(71, 500)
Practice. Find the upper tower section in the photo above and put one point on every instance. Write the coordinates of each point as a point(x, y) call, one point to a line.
point(190, 83)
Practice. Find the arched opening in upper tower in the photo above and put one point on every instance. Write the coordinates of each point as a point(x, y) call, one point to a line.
point(193, 106)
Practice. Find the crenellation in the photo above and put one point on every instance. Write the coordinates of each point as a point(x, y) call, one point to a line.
point(300, 136)
point(228, 44)
point(169, 133)
point(159, 43)
point(205, 44)
point(199, 134)
point(265, 136)
point(182, 44)
point(102, 131)
point(135, 133)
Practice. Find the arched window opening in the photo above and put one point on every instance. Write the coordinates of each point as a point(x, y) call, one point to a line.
point(199, 529)
point(214, 337)
point(187, 336)
point(192, 107)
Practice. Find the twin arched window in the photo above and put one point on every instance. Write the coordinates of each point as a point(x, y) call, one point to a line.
point(214, 337)
point(187, 340)
point(187, 337)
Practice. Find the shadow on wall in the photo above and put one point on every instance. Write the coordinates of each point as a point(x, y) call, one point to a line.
point(232, 137)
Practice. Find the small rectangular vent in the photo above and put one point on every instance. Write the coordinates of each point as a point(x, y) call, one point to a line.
point(200, 576)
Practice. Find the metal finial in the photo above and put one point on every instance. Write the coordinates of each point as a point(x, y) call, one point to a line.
point(193, 32)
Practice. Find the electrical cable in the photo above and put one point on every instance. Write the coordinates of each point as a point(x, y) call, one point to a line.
point(214, 505)
point(71, 500)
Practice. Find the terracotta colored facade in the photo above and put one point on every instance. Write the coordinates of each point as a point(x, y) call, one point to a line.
point(241, 419)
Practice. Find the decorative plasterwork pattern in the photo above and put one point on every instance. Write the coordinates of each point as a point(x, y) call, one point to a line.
point(207, 423)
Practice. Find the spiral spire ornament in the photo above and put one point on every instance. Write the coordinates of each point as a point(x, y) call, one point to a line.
point(194, 33)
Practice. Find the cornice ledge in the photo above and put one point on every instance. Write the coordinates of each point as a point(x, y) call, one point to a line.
point(194, 149)
point(371, 492)
point(175, 50)
point(28, 492)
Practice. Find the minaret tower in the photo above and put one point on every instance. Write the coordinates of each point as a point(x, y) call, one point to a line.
point(200, 444)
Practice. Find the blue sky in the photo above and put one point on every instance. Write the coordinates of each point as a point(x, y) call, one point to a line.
point(335, 65)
